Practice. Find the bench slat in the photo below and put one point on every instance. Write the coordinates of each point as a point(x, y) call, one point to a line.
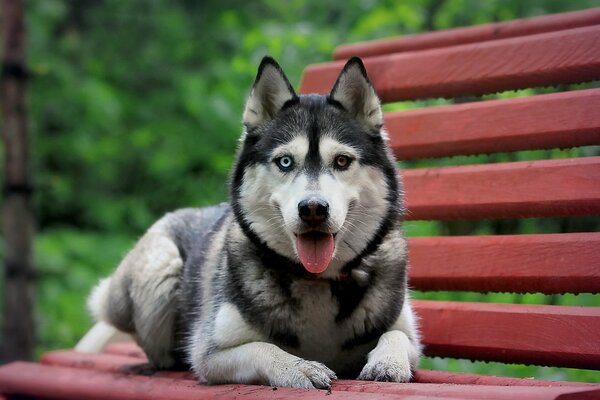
point(109, 362)
point(568, 56)
point(514, 333)
point(46, 381)
point(459, 378)
point(476, 392)
point(555, 263)
point(127, 349)
point(112, 363)
point(557, 120)
point(471, 34)
point(71, 383)
point(506, 190)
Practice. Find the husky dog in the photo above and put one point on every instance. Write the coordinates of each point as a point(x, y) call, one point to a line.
point(303, 275)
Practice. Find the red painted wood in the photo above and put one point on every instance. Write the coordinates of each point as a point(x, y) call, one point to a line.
point(507, 190)
point(568, 56)
point(478, 392)
point(112, 363)
point(557, 120)
point(70, 383)
point(471, 34)
point(458, 378)
point(129, 349)
point(106, 363)
point(514, 333)
point(555, 263)
point(98, 361)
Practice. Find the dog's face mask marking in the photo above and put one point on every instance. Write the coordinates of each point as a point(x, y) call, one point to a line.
point(307, 181)
point(314, 195)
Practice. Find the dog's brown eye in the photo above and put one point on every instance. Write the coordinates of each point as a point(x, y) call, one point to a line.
point(342, 162)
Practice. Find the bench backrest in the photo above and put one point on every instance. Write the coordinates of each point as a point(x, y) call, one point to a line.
point(543, 51)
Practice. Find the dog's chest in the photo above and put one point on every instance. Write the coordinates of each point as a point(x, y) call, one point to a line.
point(321, 333)
point(314, 318)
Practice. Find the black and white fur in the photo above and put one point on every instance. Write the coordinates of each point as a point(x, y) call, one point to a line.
point(223, 289)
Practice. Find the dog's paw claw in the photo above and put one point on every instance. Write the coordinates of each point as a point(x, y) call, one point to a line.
point(319, 374)
point(386, 371)
point(305, 375)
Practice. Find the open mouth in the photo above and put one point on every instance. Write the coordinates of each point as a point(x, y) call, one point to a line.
point(315, 250)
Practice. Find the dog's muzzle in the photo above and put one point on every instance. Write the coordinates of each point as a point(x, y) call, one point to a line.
point(315, 246)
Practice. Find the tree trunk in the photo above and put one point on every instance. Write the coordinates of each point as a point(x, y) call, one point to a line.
point(17, 212)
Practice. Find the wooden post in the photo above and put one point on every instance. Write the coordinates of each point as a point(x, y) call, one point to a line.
point(17, 212)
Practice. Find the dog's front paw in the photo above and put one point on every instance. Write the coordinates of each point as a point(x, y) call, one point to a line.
point(392, 359)
point(301, 373)
point(386, 370)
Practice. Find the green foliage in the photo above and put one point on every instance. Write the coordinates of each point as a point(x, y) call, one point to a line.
point(69, 263)
point(136, 107)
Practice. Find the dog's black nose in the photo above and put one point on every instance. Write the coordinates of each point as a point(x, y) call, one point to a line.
point(313, 210)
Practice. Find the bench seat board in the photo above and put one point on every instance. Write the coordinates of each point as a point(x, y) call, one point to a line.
point(121, 363)
point(546, 188)
point(54, 381)
point(514, 333)
point(558, 120)
point(127, 349)
point(46, 381)
point(471, 34)
point(551, 263)
point(547, 59)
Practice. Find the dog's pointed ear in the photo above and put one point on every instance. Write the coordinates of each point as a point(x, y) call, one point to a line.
point(356, 94)
point(270, 92)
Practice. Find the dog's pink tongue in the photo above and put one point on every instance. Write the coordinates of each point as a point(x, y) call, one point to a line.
point(315, 251)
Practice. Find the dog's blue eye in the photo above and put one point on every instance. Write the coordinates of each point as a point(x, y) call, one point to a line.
point(285, 163)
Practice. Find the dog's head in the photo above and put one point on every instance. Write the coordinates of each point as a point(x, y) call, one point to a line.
point(315, 180)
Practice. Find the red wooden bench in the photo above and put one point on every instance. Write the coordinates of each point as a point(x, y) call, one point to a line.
point(543, 51)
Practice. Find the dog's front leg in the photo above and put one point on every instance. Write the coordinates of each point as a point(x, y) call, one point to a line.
point(264, 363)
point(232, 351)
point(397, 352)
